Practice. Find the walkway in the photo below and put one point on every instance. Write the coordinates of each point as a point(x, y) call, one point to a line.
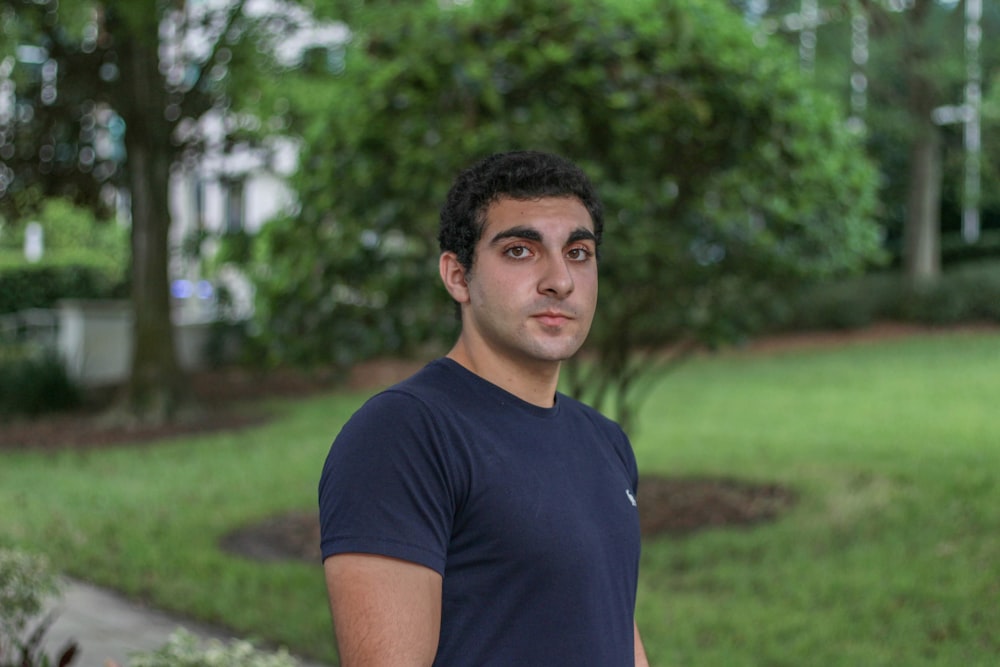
point(108, 628)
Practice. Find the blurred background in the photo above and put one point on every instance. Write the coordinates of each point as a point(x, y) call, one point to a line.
point(194, 185)
point(260, 179)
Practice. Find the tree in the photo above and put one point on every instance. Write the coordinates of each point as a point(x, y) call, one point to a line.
point(913, 63)
point(140, 74)
point(723, 172)
point(920, 89)
point(50, 131)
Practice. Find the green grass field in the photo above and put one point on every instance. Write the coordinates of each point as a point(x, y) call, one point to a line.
point(890, 557)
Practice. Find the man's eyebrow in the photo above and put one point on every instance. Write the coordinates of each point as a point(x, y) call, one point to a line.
point(518, 232)
point(532, 234)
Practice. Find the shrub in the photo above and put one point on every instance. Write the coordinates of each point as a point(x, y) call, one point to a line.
point(41, 285)
point(846, 304)
point(32, 385)
point(25, 583)
point(84, 258)
point(67, 227)
point(968, 292)
point(184, 650)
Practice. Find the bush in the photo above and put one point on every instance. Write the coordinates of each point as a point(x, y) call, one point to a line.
point(25, 583)
point(42, 285)
point(32, 385)
point(956, 250)
point(846, 304)
point(68, 227)
point(84, 258)
point(968, 292)
point(184, 650)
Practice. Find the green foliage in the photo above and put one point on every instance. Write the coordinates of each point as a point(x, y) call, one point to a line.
point(131, 77)
point(33, 385)
point(915, 63)
point(322, 295)
point(42, 285)
point(184, 650)
point(68, 228)
point(968, 293)
point(956, 250)
point(26, 582)
point(84, 258)
point(720, 167)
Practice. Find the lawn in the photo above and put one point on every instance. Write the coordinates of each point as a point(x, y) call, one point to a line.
point(890, 557)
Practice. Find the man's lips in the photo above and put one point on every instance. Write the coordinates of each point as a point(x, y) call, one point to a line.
point(552, 318)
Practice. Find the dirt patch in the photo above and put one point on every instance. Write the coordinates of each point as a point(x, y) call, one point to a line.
point(667, 506)
point(679, 506)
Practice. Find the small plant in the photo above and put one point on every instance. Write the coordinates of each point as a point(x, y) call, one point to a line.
point(185, 650)
point(25, 583)
point(34, 384)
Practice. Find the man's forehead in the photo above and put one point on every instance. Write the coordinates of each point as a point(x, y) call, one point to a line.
point(542, 208)
point(511, 199)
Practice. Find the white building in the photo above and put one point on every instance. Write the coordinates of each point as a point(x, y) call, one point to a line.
point(223, 193)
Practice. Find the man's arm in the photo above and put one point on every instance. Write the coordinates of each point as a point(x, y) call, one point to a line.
point(386, 612)
point(640, 652)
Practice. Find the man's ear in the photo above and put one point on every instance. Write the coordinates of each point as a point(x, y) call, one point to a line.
point(453, 276)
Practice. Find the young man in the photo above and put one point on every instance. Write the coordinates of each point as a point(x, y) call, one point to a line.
point(471, 515)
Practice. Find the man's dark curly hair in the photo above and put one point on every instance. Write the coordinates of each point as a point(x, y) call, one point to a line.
point(521, 175)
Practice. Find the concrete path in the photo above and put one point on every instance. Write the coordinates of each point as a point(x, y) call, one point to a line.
point(108, 628)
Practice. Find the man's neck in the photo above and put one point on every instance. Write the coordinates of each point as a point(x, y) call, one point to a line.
point(534, 383)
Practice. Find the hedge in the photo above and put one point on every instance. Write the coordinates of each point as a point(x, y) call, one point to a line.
point(41, 285)
point(965, 293)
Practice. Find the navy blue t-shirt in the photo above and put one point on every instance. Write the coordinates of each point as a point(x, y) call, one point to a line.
point(528, 513)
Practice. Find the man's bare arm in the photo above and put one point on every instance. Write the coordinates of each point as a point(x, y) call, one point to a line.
point(640, 652)
point(386, 612)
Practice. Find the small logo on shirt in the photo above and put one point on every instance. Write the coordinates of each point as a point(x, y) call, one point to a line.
point(631, 498)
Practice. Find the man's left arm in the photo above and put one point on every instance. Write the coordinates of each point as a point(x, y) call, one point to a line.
point(640, 653)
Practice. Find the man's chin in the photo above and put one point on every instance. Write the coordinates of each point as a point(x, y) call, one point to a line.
point(557, 353)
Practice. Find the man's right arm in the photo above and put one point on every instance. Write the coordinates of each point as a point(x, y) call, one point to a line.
point(386, 611)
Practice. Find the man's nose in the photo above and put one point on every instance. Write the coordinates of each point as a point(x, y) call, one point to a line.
point(557, 280)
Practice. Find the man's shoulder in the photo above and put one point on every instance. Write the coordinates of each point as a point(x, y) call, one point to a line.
point(432, 377)
point(409, 410)
point(428, 387)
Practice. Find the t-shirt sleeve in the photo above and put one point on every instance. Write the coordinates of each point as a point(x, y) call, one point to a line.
point(386, 487)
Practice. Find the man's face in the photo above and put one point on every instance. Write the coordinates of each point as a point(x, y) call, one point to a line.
point(532, 289)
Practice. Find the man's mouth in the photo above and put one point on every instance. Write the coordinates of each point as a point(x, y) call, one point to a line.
point(552, 318)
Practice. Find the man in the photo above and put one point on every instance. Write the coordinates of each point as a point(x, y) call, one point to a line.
point(471, 515)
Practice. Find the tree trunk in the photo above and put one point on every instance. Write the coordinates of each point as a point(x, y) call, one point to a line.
point(922, 230)
point(922, 227)
point(156, 389)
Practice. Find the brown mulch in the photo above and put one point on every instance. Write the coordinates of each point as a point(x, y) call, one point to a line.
point(232, 399)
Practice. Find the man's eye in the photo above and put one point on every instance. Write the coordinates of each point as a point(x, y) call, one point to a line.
point(517, 251)
point(579, 254)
